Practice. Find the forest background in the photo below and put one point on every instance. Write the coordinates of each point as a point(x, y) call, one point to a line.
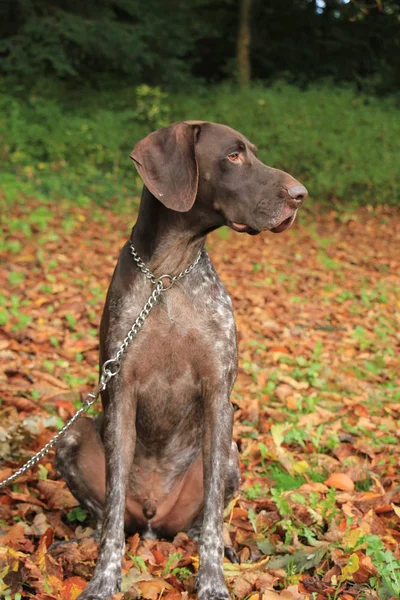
point(315, 85)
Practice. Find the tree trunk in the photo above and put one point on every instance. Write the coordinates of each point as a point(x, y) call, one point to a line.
point(243, 44)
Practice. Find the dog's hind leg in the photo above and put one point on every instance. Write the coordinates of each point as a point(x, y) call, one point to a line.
point(81, 463)
point(232, 481)
point(231, 487)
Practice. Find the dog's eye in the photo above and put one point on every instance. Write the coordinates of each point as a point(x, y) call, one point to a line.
point(233, 156)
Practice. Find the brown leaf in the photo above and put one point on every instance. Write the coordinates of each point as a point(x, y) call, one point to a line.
point(244, 584)
point(294, 591)
point(27, 498)
point(16, 538)
point(265, 581)
point(57, 494)
point(50, 379)
point(293, 383)
point(174, 595)
point(282, 391)
point(151, 590)
point(21, 403)
point(366, 569)
point(269, 595)
point(133, 543)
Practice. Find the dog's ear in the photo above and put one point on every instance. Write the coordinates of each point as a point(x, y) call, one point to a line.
point(166, 161)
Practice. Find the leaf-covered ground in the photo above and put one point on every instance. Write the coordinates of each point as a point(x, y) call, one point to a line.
point(317, 405)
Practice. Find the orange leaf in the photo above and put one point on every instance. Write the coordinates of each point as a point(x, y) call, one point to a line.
point(15, 538)
point(72, 587)
point(159, 556)
point(340, 481)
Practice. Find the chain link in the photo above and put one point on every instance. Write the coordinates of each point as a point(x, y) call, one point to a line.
point(87, 402)
point(112, 366)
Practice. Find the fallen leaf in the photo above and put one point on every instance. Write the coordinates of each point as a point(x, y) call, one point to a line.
point(72, 587)
point(269, 595)
point(340, 481)
point(57, 494)
point(152, 590)
point(244, 584)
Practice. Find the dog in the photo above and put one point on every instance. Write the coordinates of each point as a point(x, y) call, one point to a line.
point(160, 457)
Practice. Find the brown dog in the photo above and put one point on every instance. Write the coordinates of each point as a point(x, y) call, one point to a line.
point(160, 458)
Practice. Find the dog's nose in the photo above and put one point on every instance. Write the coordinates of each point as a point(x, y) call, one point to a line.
point(298, 194)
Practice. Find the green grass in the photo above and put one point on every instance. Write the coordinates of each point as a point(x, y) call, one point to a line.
point(341, 144)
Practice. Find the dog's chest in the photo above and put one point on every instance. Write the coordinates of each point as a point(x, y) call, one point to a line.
point(189, 338)
point(190, 327)
point(186, 336)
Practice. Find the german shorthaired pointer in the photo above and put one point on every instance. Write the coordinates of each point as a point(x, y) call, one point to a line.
point(160, 458)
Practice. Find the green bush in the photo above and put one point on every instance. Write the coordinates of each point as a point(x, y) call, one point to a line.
point(341, 144)
point(80, 151)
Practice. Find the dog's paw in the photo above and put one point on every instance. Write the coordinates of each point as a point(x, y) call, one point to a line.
point(214, 593)
point(211, 586)
point(231, 554)
point(97, 594)
point(100, 589)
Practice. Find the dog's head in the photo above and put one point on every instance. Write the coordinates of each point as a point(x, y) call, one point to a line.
point(208, 164)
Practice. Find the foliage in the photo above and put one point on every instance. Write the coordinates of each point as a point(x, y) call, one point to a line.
point(77, 153)
point(352, 41)
point(341, 144)
point(386, 563)
point(72, 40)
point(317, 405)
point(135, 41)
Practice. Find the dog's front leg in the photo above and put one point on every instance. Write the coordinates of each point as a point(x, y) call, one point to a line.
point(119, 445)
point(217, 439)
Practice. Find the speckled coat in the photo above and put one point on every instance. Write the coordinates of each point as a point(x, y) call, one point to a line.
point(160, 458)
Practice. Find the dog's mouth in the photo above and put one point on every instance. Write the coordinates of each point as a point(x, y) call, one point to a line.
point(285, 224)
point(242, 228)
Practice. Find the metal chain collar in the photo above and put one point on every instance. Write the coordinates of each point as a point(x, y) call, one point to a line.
point(111, 367)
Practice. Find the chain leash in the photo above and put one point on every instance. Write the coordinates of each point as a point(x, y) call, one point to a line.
point(112, 366)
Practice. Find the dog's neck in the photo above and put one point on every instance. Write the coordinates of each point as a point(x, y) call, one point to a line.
point(166, 240)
